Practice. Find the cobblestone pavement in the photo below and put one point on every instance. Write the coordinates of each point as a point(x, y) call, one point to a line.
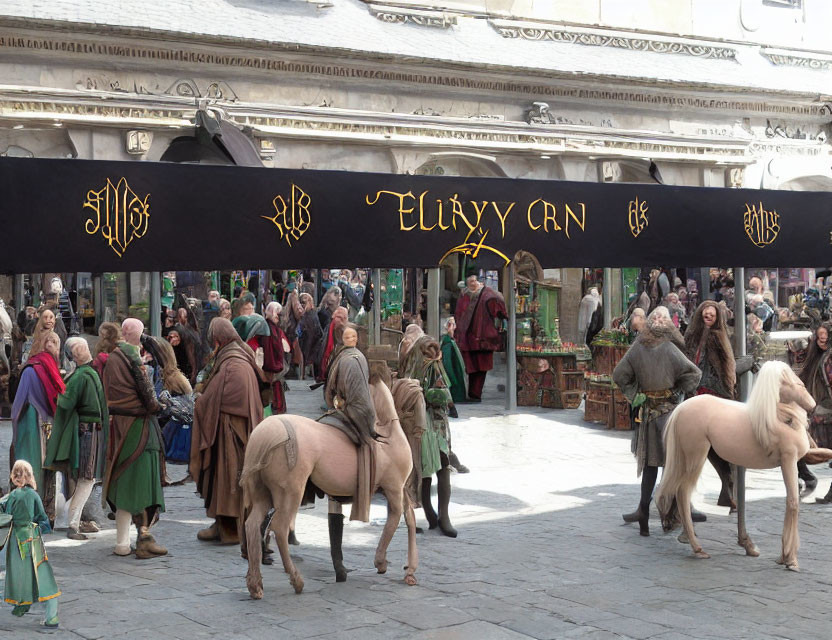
point(542, 553)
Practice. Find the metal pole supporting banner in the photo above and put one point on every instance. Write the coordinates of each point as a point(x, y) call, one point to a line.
point(156, 304)
point(19, 301)
point(433, 303)
point(98, 299)
point(376, 337)
point(606, 297)
point(745, 380)
point(511, 340)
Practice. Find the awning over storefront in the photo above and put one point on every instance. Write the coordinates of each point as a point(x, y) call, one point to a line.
point(86, 215)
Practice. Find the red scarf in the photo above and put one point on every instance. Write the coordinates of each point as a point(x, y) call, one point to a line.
point(50, 377)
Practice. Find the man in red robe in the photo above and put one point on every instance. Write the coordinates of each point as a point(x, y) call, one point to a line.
point(476, 334)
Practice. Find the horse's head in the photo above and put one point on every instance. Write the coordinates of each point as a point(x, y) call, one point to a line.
point(792, 390)
point(792, 415)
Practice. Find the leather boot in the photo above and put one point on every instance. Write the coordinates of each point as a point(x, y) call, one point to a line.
point(209, 534)
point(643, 512)
point(633, 516)
point(827, 498)
point(336, 535)
point(697, 516)
point(147, 547)
point(430, 514)
point(443, 489)
point(73, 534)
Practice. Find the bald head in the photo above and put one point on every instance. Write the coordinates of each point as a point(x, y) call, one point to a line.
point(132, 330)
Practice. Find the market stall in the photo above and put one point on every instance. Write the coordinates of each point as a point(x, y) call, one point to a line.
point(549, 371)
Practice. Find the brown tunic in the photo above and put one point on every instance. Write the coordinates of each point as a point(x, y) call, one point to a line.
point(224, 417)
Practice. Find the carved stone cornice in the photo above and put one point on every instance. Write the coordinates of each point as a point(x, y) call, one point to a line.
point(189, 56)
point(607, 38)
point(789, 58)
point(397, 15)
point(171, 111)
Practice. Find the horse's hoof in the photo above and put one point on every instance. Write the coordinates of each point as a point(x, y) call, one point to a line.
point(255, 588)
point(382, 566)
point(793, 567)
point(752, 551)
point(267, 560)
point(701, 555)
point(683, 538)
point(341, 576)
point(410, 580)
point(297, 583)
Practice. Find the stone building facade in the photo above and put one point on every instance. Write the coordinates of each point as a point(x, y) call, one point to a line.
point(708, 92)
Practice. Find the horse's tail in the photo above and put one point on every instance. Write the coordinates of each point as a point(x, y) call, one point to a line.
point(264, 440)
point(675, 466)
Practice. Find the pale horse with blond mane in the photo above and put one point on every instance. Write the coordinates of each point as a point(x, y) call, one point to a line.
point(766, 432)
point(274, 477)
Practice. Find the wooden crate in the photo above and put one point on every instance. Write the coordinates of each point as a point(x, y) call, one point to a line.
point(604, 358)
point(621, 413)
point(598, 400)
point(527, 389)
point(558, 399)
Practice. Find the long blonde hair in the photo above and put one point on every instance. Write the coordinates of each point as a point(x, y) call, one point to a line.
point(22, 470)
point(763, 400)
point(172, 378)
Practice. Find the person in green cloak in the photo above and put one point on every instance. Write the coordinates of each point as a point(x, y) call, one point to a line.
point(77, 444)
point(29, 577)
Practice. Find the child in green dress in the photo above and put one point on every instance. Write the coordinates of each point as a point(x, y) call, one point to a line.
point(29, 577)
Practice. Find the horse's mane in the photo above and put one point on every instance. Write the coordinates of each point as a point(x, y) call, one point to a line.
point(765, 395)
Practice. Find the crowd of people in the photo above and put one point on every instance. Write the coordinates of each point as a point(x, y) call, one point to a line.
point(676, 354)
point(119, 409)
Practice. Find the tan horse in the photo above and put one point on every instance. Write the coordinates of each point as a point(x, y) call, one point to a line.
point(326, 456)
point(766, 432)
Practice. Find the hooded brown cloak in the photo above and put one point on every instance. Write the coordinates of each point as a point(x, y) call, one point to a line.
point(224, 417)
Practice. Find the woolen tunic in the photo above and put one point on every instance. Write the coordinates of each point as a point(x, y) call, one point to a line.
point(650, 366)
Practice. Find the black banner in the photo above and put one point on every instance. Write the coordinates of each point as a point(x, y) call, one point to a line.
point(84, 215)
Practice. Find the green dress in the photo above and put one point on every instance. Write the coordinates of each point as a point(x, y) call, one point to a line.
point(28, 444)
point(29, 577)
point(454, 367)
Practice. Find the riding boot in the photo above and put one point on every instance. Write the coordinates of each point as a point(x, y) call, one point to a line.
point(648, 483)
point(633, 516)
point(336, 535)
point(827, 498)
point(810, 480)
point(443, 489)
point(430, 514)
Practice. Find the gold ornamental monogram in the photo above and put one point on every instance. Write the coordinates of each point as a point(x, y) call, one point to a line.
point(292, 218)
point(120, 214)
point(761, 226)
point(637, 216)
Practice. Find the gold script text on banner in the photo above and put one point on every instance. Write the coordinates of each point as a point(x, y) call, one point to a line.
point(637, 210)
point(294, 217)
point(761, 226)
point(549, 214)
point(120, 215)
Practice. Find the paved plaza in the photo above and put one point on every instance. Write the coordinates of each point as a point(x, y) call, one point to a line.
point(542, 553)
